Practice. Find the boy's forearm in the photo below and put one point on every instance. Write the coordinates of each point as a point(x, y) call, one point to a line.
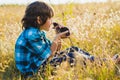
point(53, 49)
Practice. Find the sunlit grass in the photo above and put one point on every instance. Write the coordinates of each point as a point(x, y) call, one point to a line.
point(94, 28)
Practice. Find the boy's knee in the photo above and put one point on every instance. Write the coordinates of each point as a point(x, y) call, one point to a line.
point(71, 55)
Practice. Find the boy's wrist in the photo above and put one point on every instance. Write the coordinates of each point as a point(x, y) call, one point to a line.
point(55, 42)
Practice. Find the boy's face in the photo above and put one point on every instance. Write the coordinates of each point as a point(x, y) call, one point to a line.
point(46, 26)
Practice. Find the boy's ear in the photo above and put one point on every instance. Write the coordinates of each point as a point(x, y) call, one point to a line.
point(39, 20)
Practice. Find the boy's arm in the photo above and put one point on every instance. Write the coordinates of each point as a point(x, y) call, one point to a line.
point(37, 46)
point(56, 44)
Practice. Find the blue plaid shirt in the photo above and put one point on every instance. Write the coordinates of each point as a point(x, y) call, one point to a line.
point(31, 50)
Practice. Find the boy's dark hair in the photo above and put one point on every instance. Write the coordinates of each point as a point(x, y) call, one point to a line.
point(34, 10)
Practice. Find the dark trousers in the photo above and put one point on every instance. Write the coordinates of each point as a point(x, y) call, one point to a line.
point(60, 57)
point(68, 53)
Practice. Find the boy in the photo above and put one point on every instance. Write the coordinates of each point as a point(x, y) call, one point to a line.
point(32, 47)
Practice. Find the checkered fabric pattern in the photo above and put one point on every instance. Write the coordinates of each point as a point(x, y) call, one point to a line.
point(32, 48)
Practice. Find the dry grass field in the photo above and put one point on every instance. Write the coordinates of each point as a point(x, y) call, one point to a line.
point(94, 27)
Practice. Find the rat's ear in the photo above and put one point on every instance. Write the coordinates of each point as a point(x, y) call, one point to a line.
point(55, 24)
point(39, 20)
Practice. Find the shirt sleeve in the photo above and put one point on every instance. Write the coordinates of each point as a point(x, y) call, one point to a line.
point(38, 45)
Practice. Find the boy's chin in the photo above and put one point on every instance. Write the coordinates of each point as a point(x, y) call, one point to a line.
point(46, 29)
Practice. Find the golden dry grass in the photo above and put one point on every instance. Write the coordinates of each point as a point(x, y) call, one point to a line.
point(94, 27)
